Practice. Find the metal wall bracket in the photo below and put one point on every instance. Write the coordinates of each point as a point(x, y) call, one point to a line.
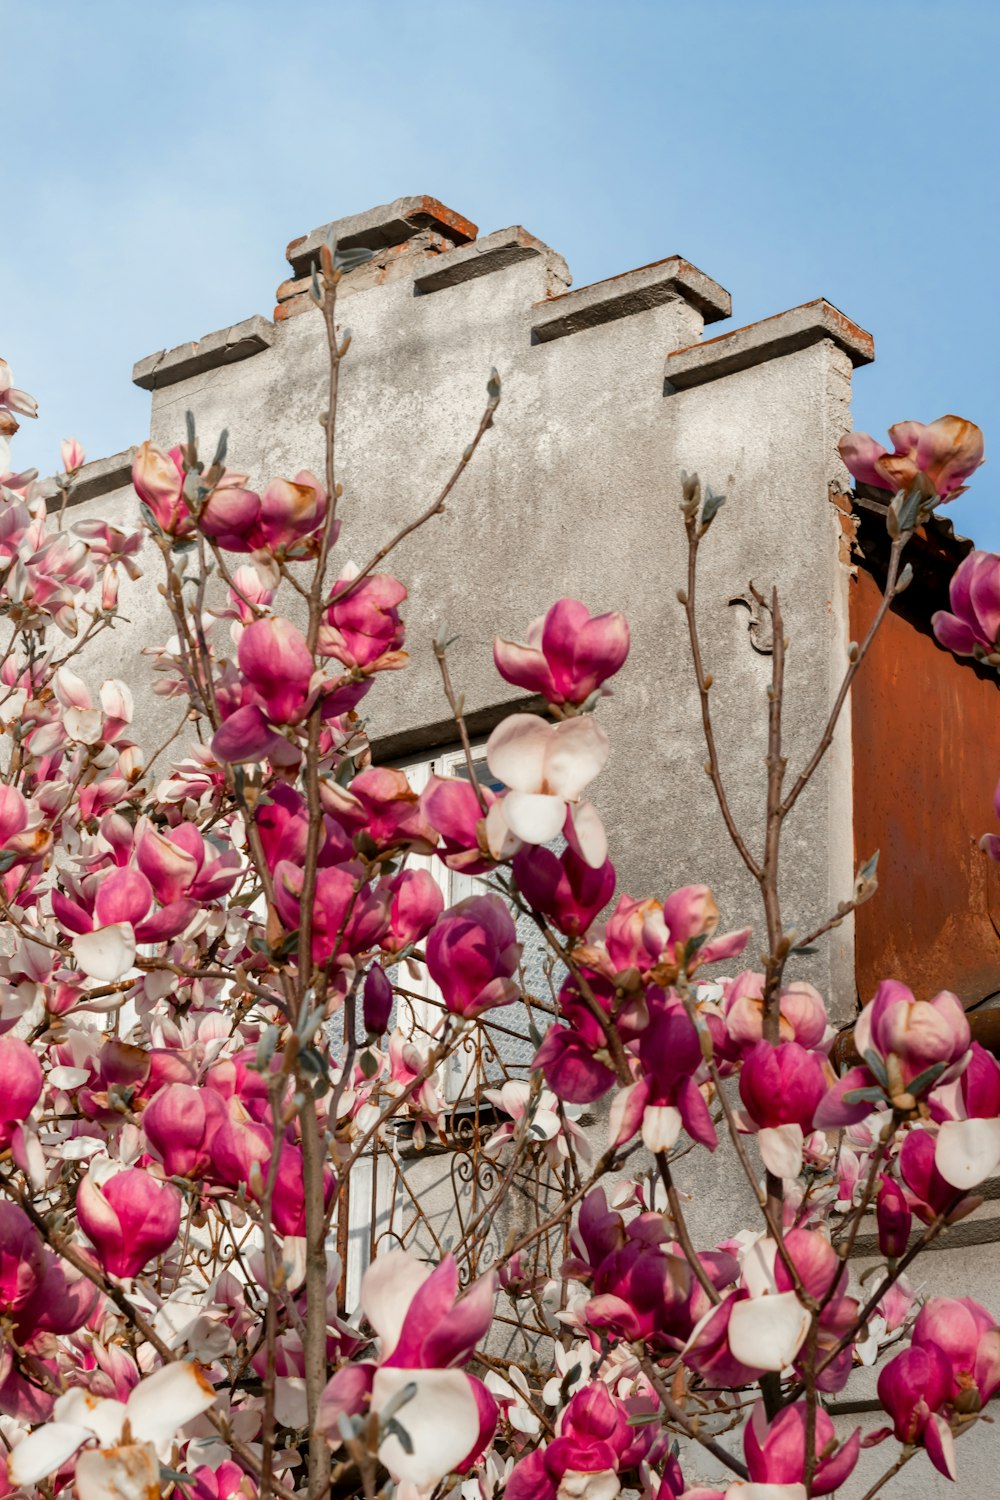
point(759, 624)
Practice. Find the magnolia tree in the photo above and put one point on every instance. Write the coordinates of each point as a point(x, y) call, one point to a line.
point(205, 978)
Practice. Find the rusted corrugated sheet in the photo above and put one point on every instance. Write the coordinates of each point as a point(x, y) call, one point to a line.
point(926, 732)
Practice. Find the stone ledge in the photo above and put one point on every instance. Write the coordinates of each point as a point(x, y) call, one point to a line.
point(785, 333)
point(226, 347)
point(389, 224)
point(101, 477)
point(631, 292)
point(495, 252)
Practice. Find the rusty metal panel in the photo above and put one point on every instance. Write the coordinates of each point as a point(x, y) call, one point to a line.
point(926, 741)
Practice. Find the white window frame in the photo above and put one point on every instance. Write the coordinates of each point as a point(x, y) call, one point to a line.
point(454, 885)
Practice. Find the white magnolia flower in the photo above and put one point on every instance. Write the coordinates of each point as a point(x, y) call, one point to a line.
point(129, 1437)
point(547, 768)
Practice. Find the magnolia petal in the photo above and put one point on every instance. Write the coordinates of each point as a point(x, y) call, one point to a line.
point(290, 1407)
point(757, 1266)
point(166, 1400)
point(940, 1444)
point(627, 1110)
point(588, 1484)
point(661, 1125)
point(766, 1333)
point(516, 751)
point(107, 953)
point(967, 1151)
point(83, 725)
point(441, 1421)
point(389, 1286)
point(780, 1149)
point(587, 836)
point(131, 1472)
point(954, 634)
point(500, 841)
point(766, 1492)
point(578, 751)
point(102, 1415)
point(45, 1450)
point(533, 817)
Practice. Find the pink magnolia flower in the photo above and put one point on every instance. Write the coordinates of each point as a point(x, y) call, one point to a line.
point(972, 626)
point(227, 1482)
point(928, 1193)
point(548, 767)
point(72, 455)
point(278, 669)
point(249, 596)
point(125, 1439)
point(968, 1336)
point(424, 1334)
point(120, 915)
point(452, 808)
point(946, 452)
point(388, 810)
point(802, 1014)
point(918, 1034)
point(472, 951)
point(289, 511)
point(348, 915)
point(668, 1096)
point(130, 1218)
point(417, 903)
point(242, 1149)
point(362, 627)
point(11, 398)
point(22, 1261)
point(893, 1218)
point(115, 551)
point(825, 1278)
point(179, 863)
point(158, 479)
point(595, 1444)
point(179, 1123)
point(946, 1376)
point(912, 1387)
point(781, 1087)
point(574, 1058)
point(909, 1047)
point(20, 1085)
point(563, 887)
point(567, 655)
point(776, 1453)
point(642, 1288)
point(656, 940)
point(24, 837)
point(275, 660)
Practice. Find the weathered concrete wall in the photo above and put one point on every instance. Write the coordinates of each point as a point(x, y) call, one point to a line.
point(575, 491)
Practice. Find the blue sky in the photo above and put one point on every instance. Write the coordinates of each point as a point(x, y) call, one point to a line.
point(159, 155)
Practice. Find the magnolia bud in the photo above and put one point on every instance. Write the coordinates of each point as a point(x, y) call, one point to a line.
point(378, 998)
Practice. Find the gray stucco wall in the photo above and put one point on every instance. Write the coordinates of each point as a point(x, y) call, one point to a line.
point(575, 491)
